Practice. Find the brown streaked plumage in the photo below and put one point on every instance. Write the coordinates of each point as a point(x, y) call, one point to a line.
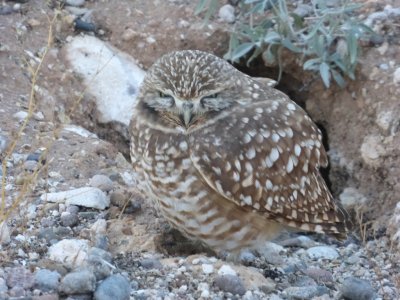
point(227, 159)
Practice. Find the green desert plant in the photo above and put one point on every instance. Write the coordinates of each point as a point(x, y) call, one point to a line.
point(326, 38)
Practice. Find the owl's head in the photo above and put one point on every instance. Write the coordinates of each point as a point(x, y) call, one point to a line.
point(184, 88)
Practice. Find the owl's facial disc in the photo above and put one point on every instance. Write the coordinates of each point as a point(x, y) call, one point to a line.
point(186, 111)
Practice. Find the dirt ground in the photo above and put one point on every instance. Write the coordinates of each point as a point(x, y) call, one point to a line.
point(361, 122)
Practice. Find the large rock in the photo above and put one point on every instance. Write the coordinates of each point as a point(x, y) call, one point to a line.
point(111, 77)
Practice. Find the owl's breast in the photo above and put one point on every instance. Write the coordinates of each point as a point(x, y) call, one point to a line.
point(161, 161)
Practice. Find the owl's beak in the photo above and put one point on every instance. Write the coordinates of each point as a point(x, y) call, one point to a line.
point(187, 117)
point(187, 113)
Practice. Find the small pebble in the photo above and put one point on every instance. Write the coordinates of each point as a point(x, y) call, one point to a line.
point(84, 26)
point(129, 34)
point(396, 76)
point(69, 220)
point(384, 67)
point(151, 263)
point(3, 286)
point(75, 2)
point(357, 289)
point(115, 287)
point(34, 157)
point(19, 276)
point(319, 275)
point(247, 257)
point(21, 115)
point(6, 10)
point(30, 165)
point(376, 39)
point(207, 268)
point(226, 270)
point(78, 282)
point(103, 254)
point(227, 13)
point(17, 292)
point(46, 280)
point(230, 284)
point(3, 143)
point(5, 236)
point(303, 10)
point(305, 292)
point(101, 242)
point(322, 252)
point(100, 266)
point(205, 289)
point(47, 234)
point(102, 182)
point(72, 209)
point(39, 116)
point(118, 199)
point(299, 241)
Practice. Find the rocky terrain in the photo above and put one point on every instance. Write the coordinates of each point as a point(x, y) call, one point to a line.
point(72, 224)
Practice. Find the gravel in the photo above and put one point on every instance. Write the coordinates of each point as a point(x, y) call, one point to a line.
point(91, 247)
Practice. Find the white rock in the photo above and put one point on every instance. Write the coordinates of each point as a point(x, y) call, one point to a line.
point(205, 294)
point(39, 116)
point(351, 198)
point(396, 76)
point(226, 270)
point(227, 13)
point(53, 174)
point(80, 131)
point(87, 196)
point(112, 77)
point(72, 252)
point(385, 120)
point(150, 40)
point(99, 227)
point(205, 289)
point(271, 252)
point(21, 115)
point(275, 247)
point(18, 158)
point(322, 252)
point(5, 237)
point(394, 226)
point(20, 238)
point(3, 143)
point(128, 178)
point(372, 149)
point(75, 2)
point(207, 268)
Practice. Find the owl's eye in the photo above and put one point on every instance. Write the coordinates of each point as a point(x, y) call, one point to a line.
point(163, 95)
point(212, 96)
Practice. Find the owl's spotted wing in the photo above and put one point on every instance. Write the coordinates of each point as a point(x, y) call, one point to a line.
point(265, 157)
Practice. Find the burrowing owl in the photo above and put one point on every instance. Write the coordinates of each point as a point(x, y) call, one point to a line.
point(227, 160)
